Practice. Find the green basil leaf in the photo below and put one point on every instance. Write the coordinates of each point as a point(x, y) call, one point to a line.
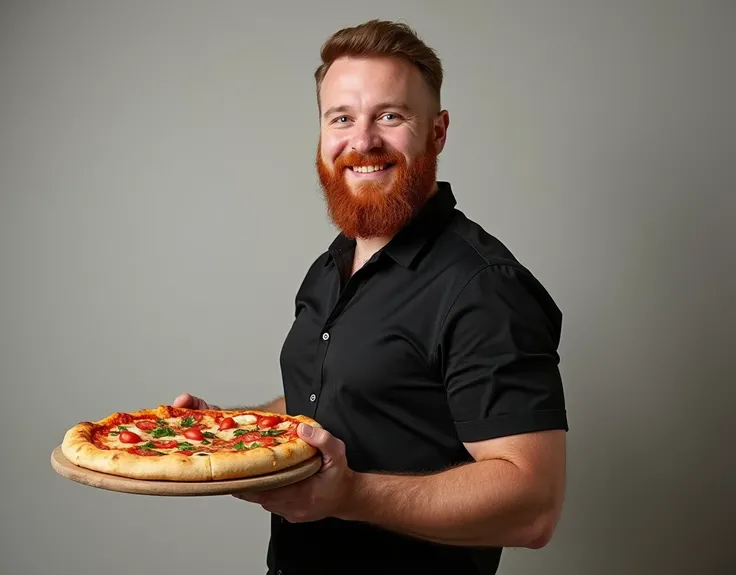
point(272, 432)
point(205, 442)
point(208, 434)
point(239, 446)
point(163, 432)
point(187, 421)
point(122, 428)
point(114, 433)
point(239, 432)
point(148, 445)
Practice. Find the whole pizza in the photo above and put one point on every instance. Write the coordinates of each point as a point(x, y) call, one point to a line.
point(177, 444)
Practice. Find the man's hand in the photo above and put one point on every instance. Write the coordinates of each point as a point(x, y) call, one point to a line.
point(186, 400)
point(325, 494)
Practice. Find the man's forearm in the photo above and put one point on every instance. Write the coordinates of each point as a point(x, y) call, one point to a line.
point(486, 503)
point(278, 405)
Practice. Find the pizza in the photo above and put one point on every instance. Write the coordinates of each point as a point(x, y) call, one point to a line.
point(178, 444)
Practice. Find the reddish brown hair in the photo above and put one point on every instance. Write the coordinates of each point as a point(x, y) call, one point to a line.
point(382, 38)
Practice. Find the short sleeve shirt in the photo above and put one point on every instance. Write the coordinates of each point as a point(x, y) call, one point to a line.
point(443, 337)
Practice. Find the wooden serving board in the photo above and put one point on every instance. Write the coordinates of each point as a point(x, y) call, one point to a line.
point(67, 469)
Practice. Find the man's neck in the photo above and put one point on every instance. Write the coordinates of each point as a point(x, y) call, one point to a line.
point(365, 248)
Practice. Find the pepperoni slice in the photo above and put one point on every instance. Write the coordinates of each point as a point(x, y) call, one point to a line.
point(146, 425)
point(247, 437)
point(143, 452)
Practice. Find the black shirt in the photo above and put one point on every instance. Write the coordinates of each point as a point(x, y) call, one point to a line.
point(442, 337)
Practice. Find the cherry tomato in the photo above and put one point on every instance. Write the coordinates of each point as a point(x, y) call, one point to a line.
point(146, 425)
point(129, 437)
point(194, 434)
point(166, 444)
point(268, 421)
point(228, 423)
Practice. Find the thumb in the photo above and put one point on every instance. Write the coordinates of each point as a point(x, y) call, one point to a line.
point(330, 446)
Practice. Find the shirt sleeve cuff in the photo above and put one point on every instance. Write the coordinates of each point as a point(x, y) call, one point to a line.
point(512, 424)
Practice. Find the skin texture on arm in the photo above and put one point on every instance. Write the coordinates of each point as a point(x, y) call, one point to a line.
point(511, 496)
point(278, 405)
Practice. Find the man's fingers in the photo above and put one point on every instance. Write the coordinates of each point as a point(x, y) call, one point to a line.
point(190, 401)
point(328, 444)
point(184, 400)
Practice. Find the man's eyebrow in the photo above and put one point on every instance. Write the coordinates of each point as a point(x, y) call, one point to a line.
point(383, 105)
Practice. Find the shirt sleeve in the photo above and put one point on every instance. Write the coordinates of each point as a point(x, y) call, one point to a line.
point(497, 353)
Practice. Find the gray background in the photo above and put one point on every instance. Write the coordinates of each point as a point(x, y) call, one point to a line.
point(159, 208)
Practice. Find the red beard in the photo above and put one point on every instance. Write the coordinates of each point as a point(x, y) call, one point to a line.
point(377, 209)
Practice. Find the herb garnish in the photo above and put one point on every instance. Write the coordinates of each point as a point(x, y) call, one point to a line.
point(163, 432)
point(187, 421)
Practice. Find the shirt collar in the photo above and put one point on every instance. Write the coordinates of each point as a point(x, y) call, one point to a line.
point(408, 243)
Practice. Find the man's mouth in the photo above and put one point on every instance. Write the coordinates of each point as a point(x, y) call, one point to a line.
point(370, 169)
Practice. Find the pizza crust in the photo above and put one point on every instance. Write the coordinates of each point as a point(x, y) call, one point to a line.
point(78, 447)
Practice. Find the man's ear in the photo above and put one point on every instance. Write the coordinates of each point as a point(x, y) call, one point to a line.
point(441, 124)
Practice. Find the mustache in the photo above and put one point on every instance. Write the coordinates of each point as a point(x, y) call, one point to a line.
point(370, 159)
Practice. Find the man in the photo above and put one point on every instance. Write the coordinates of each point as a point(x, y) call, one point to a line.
point(424, 348)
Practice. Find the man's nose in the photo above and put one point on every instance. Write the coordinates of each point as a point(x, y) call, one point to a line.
point(365, 139)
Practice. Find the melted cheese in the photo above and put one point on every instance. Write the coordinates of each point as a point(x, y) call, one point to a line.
point(246, 423)
point(245, 419)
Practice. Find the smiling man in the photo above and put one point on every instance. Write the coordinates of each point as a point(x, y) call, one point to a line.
point(426, 350)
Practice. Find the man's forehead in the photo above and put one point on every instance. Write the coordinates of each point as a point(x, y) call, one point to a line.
point(370, 82)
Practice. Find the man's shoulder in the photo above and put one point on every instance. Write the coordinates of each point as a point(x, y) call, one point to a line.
point(468, 244)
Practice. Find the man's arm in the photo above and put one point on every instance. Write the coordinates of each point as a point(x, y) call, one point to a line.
point(511, 496)
point(278, 405)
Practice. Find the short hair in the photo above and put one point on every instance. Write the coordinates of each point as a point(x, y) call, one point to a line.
point(382, 38)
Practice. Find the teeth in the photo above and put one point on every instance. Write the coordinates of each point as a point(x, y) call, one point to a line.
point(368, 169)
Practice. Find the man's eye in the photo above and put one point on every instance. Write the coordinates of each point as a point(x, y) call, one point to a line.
point(340, 118)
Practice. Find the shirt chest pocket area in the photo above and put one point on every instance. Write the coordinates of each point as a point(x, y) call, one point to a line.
point(373, 362)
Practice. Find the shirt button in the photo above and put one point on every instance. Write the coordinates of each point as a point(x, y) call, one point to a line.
point(312, 397)
point(325, 336)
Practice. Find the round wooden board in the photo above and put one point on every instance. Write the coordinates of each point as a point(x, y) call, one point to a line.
point(67, 469)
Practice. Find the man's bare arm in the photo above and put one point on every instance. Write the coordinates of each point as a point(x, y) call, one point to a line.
point(278, 405)
point(187, 400)
point(511, 496)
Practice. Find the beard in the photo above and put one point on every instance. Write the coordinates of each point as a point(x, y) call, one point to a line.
point(373, 208)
